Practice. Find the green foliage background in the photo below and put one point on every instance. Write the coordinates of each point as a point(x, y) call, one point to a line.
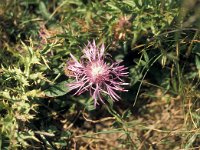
point(157, 40)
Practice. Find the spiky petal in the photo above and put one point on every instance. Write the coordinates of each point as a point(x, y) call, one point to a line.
point(93, 74)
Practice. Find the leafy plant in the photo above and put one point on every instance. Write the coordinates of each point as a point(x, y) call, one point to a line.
point(157, 40)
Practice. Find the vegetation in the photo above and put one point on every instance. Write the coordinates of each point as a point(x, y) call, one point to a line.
point(159, 42)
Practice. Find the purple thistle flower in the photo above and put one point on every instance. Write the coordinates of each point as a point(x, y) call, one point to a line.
point(93, 74)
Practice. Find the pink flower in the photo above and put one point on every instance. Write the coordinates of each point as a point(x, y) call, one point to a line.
point(93, 74)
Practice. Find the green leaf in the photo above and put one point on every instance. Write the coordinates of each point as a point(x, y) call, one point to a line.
point(112, 6)
point(130, 3)
point(197, 61)
point(44, 11)
point(146, 57)
point(56, 90)
point(89, 105)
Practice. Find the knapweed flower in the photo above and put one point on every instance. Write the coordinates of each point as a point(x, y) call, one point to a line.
point(93, 74)
point(122, 28)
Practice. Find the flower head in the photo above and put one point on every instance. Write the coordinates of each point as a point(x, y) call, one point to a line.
point(93, 74)
point(122, 27)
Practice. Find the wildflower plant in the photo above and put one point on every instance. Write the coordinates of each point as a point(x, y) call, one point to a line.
point(159, 42)
point(95, 75)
